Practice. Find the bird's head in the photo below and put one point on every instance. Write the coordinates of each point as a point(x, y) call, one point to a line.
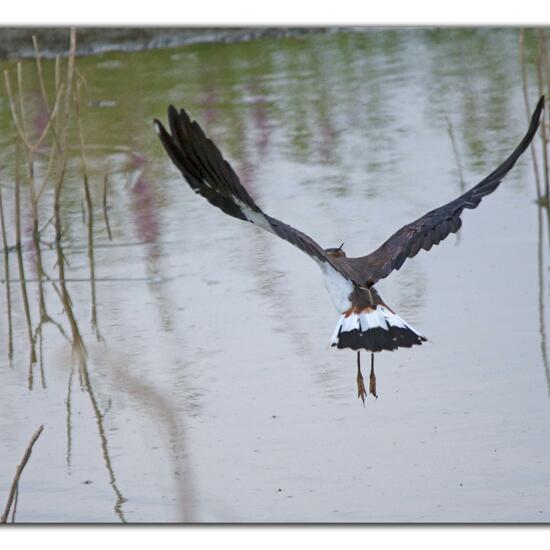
point(336, 252)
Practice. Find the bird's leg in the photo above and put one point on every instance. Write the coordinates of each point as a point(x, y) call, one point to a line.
point(361, 391)
point(372, 378)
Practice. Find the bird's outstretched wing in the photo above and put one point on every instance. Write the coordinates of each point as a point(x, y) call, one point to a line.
point(433, 227)
point(210, 175)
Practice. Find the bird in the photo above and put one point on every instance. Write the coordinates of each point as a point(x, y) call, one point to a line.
point(366, 321)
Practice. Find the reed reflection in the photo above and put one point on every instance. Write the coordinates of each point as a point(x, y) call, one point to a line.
point(542, 293)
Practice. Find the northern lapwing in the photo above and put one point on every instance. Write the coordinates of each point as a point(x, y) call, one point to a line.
point(366, 322)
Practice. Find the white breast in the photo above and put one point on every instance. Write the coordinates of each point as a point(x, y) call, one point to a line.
point(339, 288)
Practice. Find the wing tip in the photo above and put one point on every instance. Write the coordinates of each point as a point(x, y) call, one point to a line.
point(539, 107)
point(158, 126)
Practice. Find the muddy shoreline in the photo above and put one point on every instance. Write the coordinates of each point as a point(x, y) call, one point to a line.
point(17, 41)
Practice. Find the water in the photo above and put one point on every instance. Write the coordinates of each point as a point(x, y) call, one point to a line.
point(212, 395)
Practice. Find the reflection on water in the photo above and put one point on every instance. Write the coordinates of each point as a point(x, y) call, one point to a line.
point(543, 293)
point(178, 358)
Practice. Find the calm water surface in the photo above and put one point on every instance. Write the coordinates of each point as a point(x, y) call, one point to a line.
point(212, 395)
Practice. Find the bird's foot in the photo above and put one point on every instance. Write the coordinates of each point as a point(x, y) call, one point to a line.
point(372, 385)
point(361, 391)
point(372, 380)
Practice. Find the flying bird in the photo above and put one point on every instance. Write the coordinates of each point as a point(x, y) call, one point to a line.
point(366, 321)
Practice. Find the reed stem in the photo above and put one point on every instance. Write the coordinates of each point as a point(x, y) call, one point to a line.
point(14, 489)
point(525, 82)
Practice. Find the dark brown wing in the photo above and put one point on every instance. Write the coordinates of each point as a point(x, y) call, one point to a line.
point(211, 176)
point(432, 228)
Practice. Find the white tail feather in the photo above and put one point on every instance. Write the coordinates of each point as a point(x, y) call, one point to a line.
point(381, 317)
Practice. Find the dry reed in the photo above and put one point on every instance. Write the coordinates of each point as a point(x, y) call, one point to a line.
point(14, 489)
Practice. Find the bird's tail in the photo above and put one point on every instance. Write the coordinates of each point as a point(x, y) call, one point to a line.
point(374, 329)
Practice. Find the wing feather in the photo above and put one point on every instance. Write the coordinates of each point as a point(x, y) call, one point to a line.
point(432, 228)
point(211, 176)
